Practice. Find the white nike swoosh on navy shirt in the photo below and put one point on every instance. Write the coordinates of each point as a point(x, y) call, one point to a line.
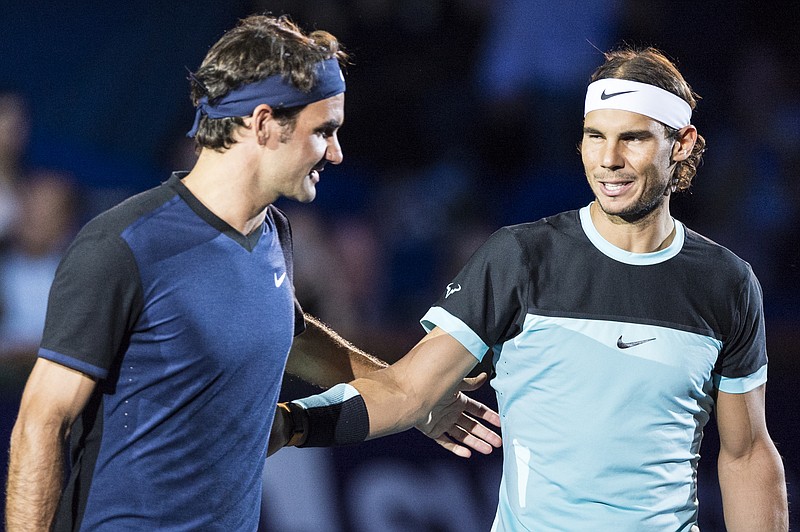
point(279, 280)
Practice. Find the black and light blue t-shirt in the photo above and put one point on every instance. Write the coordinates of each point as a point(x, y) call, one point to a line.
point(186, 324)
point(606, 367)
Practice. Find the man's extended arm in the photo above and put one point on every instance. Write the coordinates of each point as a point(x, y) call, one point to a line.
point(751, 473)
point(54, 396)
point(402, 395)
point(321, 357)
point(422, 389)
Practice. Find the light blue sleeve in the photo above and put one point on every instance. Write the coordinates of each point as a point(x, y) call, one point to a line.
point(439, 317)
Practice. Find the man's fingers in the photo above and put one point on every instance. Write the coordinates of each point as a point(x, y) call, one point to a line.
point(473, 383)
point(475, 429)
point(469, 439)
point(469, 434)
point(455, 423)
point(481, 411)
point(450, 445)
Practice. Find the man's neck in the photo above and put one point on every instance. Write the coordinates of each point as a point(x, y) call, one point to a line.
point(226, 184)
point(653, 232)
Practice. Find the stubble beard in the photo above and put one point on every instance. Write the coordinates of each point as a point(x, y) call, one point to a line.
point(642, 208)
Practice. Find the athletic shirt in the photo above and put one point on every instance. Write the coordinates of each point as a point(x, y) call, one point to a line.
point(186, 324)
point(605, 366)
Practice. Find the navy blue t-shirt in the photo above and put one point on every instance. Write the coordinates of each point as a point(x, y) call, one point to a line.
point(186, 324)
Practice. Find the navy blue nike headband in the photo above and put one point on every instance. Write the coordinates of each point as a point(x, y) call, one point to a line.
point(276, 91)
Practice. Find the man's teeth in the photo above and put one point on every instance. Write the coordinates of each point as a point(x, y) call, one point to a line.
point(614, 186)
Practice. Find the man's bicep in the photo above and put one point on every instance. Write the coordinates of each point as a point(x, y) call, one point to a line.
point(55, 393)
point(740, 420)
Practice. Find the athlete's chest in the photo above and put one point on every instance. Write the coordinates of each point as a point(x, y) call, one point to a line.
point(577, 280)
point(566, 352)
point(220, 300)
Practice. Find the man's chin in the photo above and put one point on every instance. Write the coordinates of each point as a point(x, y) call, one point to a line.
point(629, 212)
point(307, 196)
point(612, 208)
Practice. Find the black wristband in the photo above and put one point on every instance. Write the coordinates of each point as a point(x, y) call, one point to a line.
point(299, 424)
point(336, 424)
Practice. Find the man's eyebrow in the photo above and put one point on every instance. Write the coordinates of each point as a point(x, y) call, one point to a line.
point(637, 133)
point(329, 125)
point(633, 133)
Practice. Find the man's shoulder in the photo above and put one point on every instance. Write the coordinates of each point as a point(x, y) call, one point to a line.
point(121, 216)
point(713, 254)
point(547, 237)
point(565, 223)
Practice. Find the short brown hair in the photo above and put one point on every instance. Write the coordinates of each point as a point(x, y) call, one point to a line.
point(258, 47)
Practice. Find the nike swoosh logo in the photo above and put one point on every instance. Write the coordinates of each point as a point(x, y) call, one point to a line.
point(626, 345)
point(279, 280)
point(605, 96)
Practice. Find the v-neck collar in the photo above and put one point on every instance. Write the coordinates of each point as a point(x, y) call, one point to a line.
point(248, 242)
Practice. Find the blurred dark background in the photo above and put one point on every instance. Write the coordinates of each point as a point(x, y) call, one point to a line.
point(461, 116)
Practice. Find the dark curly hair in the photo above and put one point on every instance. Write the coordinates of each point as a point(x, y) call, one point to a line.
point(258, 47)
point(651, 66)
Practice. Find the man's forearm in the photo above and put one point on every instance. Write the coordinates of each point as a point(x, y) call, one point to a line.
point(754, 491)
point(35, 477)
point(421, 389)
point(322, 357)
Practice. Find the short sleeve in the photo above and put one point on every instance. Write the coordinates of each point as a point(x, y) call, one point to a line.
point(485, 303)
point(742, 363)
point(93, 304)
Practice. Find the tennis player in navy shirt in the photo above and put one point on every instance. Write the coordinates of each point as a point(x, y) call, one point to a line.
point(172, 318)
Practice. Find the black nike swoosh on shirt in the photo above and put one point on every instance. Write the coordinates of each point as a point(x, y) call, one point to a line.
point(626, 345)
point(605, 96)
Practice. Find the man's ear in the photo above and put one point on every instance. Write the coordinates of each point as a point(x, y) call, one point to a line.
point(263, 123)
point(684, 142)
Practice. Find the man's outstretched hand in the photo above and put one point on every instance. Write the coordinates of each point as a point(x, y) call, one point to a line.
point(454, 422)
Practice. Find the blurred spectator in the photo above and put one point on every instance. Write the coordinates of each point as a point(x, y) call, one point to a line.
point(44, 225)
point(340, 273)
point(362, 264)
point(14, 132)
point(318, 276)
point(39, 232)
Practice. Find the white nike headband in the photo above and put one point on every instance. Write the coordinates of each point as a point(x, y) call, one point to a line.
point(642, 98)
